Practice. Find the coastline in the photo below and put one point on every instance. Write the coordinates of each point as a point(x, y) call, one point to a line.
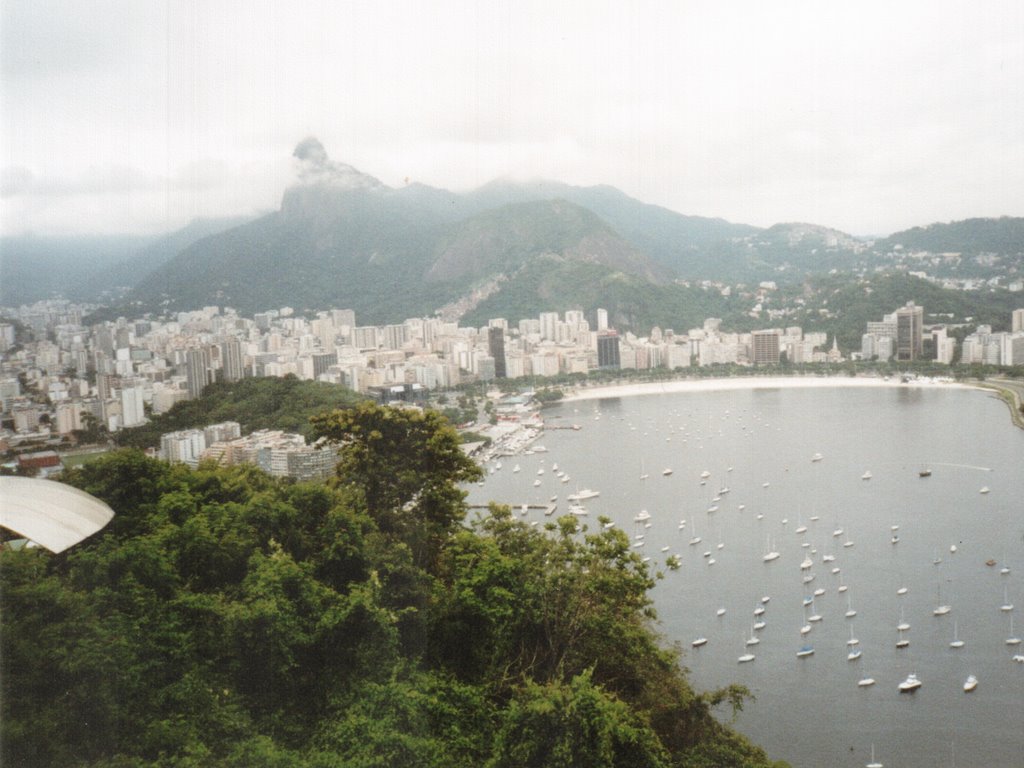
point(749, 382)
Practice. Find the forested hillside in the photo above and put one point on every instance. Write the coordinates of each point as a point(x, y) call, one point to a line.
point(271, 402)
point(225, 619)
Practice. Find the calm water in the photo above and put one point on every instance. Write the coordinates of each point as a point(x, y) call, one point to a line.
point(810, 711)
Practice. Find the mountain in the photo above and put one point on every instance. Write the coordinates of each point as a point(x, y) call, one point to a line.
point(34, 268)
point(684, 244)
point(344, 239)
point(506, 238)
point(1004, 235)
point(92, 269)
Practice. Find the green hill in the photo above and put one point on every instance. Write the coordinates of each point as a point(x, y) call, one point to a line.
point(285, 403)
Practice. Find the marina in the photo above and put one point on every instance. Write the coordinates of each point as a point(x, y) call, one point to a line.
point(819, 686)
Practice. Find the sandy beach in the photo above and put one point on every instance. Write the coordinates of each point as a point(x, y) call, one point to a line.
point(747, 382)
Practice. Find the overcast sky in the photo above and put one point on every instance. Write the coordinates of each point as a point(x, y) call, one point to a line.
point(136, 116)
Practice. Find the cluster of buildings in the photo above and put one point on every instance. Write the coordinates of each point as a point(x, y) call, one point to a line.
point(903, 336)
point(115, 374)
point(277, 453)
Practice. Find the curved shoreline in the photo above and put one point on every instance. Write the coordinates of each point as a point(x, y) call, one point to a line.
point(748, 382)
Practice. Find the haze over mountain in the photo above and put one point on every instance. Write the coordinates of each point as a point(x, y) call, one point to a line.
point(342, 238)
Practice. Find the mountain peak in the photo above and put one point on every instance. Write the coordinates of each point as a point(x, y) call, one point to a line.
point(315, 168)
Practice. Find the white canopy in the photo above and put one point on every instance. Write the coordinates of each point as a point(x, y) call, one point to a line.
point(53, 515)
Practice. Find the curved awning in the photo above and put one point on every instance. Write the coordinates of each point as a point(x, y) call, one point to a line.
point(53, 515)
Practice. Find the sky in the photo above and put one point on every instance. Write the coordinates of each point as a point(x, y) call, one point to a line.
point(132, 116)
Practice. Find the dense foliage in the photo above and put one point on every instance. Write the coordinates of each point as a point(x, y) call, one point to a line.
point(285, 403)
point(225, 619)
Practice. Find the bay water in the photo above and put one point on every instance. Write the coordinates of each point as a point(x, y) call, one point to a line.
point(884, 542)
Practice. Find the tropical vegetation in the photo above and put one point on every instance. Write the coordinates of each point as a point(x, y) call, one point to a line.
point(226, 619)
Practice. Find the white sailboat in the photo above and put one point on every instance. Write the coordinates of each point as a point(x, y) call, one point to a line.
point(874, 763)
point(1012, 639)
point(1007, 605)
point(970, 683)
point(771, 554)
point(850, 613)
point(956, 642)
point(941, 609)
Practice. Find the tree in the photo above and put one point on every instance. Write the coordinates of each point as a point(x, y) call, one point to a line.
point(406, 466)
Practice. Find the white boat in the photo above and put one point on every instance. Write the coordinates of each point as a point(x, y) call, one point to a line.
point(759, 625)
point(746, 657)
point(536, 483)
point(819, 592)
point(753, 639)
point(515, 468)
point(771, 554)
point(850, 613)
point(1007, 605)
point(874, 763)
point(705, 475)
point(578, 509)
point(642, 515)
point(699, 642)
point(956, 642)
point(984, 489)
point(806, 564)
point(817, 457)
point(814, 618)
point(1012, 639)
point(720, 612)
point(911, 684)
point(805, 651)
point(540, 471)
point(866, 475)
point(583, 495)
point(853, 640)
point(901, 591)
point(854, 654)
point(970, 683)
point(666, 471)
point(903, 626)
point(865, 682)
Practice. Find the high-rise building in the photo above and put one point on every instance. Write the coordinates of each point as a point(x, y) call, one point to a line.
point(602, 319)
point(909, 332)
point(765, 347)
point(133, 410)
point(322, 361)
point(1017, 323)
point(496, 346)
point(197, 364)
point(608, 355)
point(232, 360)
point(549, 326)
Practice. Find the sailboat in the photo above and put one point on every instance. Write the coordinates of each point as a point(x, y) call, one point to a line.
point(956, 642)
point(1012, 639)
point(695, 539)
point(753, 639)
point(874, 763)
point(970, 683)
point(1007, 605)
point(771, 554)
point(850, 613)
point(941, 609)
